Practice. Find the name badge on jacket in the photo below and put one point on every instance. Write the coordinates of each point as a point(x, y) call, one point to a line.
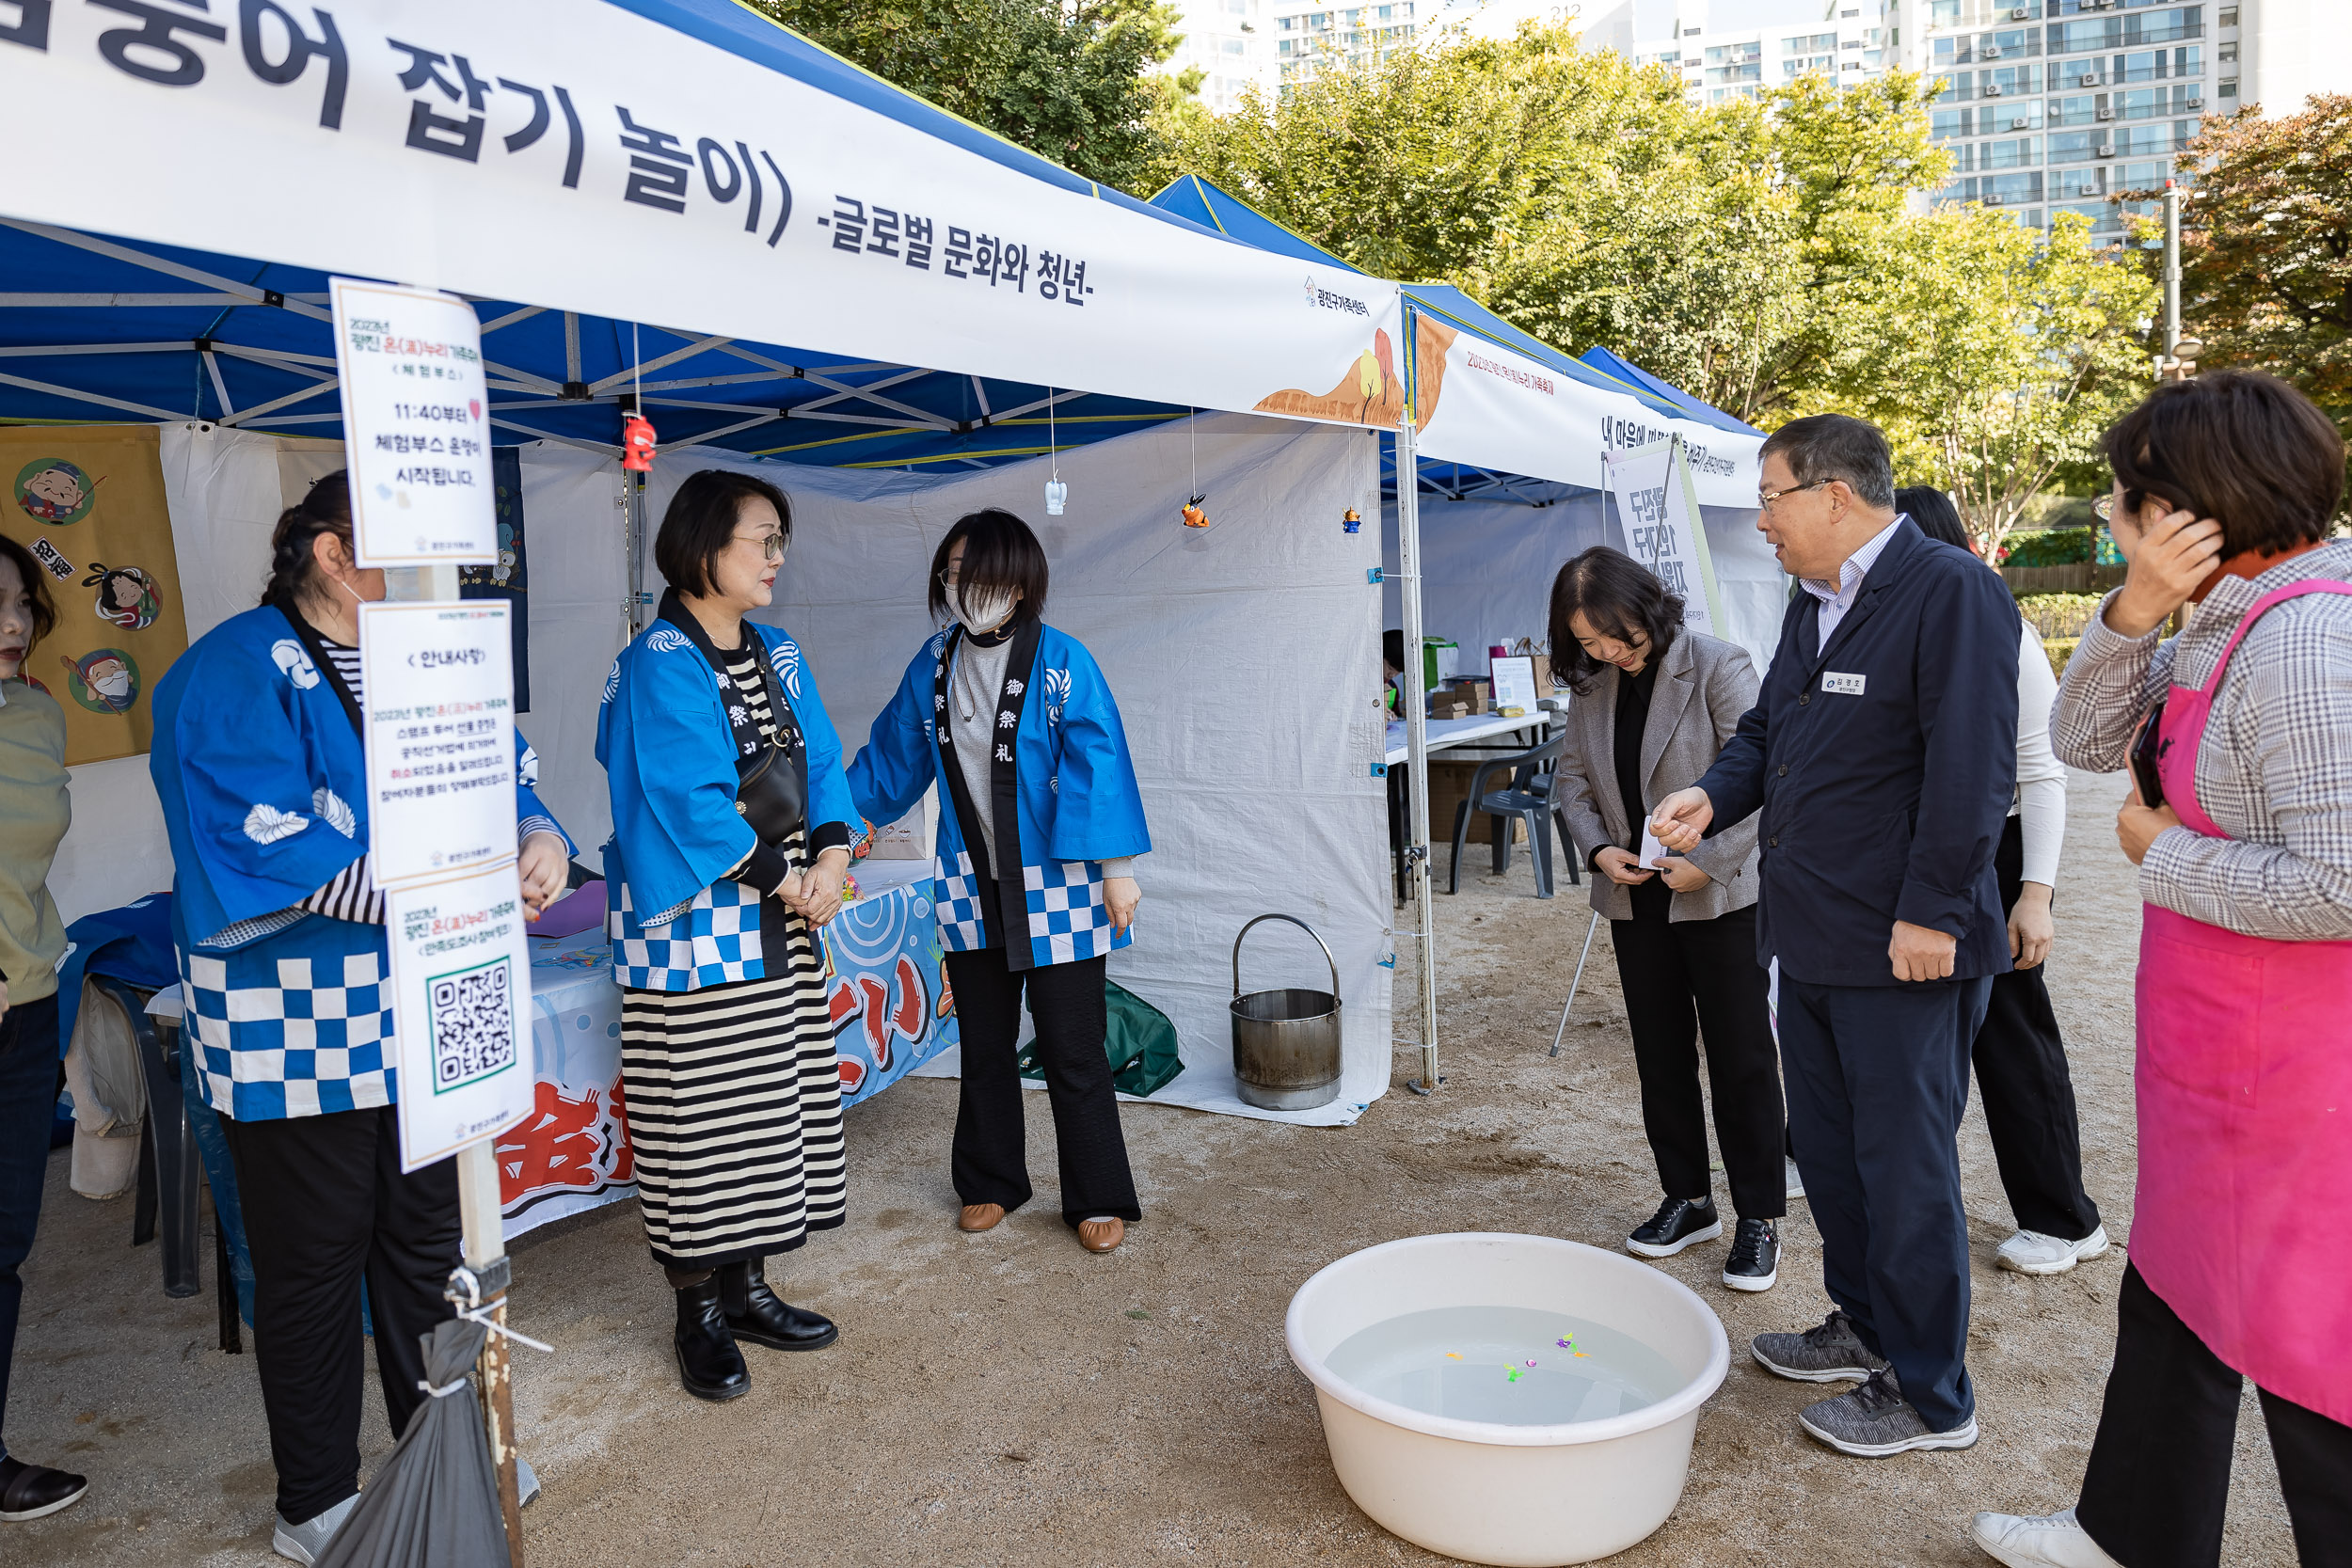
point(1841, 685)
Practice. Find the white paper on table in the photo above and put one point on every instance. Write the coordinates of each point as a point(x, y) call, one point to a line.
point(416, 425)
point(438, 682)
point(1653, 852)
point(461, 979)
point(1515, 683)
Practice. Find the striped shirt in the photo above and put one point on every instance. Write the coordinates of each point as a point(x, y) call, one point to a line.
point(1838, 598)
point(352, 893)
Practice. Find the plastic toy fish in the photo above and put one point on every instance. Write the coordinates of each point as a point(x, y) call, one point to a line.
point(1512, 1375)
point(1531, 1362)
point(1568, 1343)
point(1453, 1356)
point(1194, 517)
point(1580, 1355)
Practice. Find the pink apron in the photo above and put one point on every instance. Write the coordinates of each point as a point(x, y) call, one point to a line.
point(2244, 1094)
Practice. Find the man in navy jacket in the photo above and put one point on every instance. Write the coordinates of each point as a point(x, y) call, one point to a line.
point(1882, 753)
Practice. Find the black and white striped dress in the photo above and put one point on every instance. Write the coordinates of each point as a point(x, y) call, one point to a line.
point(734, 1092)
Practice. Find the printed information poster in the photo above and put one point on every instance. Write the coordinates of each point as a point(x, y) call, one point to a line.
point(461, 977)
point(416, 425)
point(1651, 488)
point(440, 736)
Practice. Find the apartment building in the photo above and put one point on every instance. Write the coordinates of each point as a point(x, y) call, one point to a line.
point(1734, 49)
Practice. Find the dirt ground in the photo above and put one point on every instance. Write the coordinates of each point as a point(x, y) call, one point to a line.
point(1008, 1398)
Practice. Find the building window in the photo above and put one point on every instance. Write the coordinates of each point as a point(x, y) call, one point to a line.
point(2229, 86)
point(1812, 43)
point(2227, 53)
point(2228, 17)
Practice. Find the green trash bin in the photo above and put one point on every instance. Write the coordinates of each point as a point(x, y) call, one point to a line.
point(1138, 1039)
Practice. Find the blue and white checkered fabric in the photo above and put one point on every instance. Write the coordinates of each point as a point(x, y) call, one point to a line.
point(712, 941)
point(957, 896)
point(1067, 920)
point(294, 1026)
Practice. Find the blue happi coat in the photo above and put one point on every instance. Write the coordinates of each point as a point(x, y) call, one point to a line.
point(677, 922)
point(264, 792)
point(1072, 795)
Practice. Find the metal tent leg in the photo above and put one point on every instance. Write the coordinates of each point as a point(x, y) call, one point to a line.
point(1590, 932)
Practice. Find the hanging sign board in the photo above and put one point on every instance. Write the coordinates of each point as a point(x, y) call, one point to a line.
point(460, 997)
point(416, 425)
point(439, 683)
point(1658, 516)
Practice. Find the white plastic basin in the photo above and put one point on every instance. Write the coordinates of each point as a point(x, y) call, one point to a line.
point(1523, 1496)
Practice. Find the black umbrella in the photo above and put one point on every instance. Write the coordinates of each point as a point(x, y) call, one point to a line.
point(435, 1502)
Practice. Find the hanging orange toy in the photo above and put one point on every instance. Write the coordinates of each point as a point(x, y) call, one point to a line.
point(637, 443)
point(1194, 517)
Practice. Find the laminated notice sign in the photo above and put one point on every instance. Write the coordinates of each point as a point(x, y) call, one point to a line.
point(437, 684)
point(461, 977)
point(416, 425)
point(1660, 515)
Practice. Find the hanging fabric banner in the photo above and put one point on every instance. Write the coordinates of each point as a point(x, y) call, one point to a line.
point(88, 503)
point(1657, 517)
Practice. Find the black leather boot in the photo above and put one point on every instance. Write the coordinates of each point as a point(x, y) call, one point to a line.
point(707, 1361)
point(756, 1313)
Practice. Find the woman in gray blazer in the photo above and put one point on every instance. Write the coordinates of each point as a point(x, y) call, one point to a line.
point(1653, 702)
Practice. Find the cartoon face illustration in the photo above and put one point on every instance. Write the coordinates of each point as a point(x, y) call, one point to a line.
point(295, 664)
point(54, 491)
point(104, 680)
point(126, 596)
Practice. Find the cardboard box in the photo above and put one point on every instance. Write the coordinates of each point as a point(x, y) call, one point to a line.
point(1449, 785)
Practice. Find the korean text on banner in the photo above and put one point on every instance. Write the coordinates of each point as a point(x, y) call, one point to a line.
point(440, 736)
point(416, 425)
point(1661, 522)
point(461, 974)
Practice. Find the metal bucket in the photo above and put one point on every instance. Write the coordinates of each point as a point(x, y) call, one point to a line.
point(1286, 1043)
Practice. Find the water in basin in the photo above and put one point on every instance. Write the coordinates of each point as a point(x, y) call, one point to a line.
point(1512, 1366)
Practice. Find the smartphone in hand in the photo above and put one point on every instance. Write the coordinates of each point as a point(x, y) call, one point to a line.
point(2146, 746)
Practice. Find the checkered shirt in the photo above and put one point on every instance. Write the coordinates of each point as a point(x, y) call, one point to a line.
point(2275, 771)
point(291, 1026)
point(712, 941)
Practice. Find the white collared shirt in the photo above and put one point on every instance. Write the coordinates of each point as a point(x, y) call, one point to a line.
point(1838, 599)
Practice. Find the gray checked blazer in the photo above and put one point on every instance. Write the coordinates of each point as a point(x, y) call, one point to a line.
point(1704, 686)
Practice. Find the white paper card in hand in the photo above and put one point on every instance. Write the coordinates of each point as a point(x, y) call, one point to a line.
point(1653, 852)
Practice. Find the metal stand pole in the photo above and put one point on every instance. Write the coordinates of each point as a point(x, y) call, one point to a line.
point(478, 1196)
point(1416, 724)
point(1589, 931)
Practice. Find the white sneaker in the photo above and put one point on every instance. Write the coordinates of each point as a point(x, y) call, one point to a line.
point(2039, 1540)
point(1796, 1180)
point(2031, 1252)
point(305, 1543)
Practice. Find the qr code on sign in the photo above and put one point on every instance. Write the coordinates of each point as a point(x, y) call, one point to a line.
point(473, 1025)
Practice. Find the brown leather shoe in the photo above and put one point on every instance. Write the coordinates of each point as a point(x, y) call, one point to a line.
point(979, 1217)
point(1102, 1235)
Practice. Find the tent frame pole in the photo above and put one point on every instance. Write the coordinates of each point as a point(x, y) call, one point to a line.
point(1416, 728)
point(478, 1204)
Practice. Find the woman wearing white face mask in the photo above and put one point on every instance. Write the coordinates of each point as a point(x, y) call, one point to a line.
point(1039, 824)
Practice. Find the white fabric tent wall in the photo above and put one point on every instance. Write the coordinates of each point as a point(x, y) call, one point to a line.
point(1488, 568)
point(1246, 658)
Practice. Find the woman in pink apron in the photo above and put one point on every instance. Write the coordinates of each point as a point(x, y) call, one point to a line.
point(2226, 488)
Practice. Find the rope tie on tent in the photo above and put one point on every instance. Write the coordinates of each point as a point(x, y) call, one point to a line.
point(446, 1389)
point(1057, 493)
point(464, 1292)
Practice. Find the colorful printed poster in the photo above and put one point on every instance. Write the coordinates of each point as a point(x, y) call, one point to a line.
point(461, 977)
point(88, 501)
point(416, 425)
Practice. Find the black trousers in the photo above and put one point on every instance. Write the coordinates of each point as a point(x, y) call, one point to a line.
point(1698, 980)
point(2159, 1473)
point(1877, 1076)
point(28, 1107)
point(325, 1206)
point(2028, 1094)
point(991, 1162)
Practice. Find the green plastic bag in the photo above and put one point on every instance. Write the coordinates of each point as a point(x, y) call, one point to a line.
point(1138, 1039)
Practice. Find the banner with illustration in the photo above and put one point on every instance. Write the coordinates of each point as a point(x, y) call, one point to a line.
point(88, 501)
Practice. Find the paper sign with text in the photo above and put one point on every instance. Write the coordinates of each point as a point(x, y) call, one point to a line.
point(416, 425)
point(461, 996)
point(437, 684)
point(1652, 499)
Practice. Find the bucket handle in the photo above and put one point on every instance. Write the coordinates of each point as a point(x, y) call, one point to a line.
point(1302, 925)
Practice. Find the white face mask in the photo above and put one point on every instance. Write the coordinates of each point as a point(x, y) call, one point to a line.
point(981, 609)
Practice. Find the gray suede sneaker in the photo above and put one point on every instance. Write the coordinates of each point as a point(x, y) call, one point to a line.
point(305, 1543)
point(1875, 1420)
point(1829, 1354)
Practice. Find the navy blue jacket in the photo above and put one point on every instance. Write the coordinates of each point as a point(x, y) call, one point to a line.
point(1885, 805)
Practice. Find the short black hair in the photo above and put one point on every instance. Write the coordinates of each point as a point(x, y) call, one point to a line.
point(999, 551)
point(700, 522)
point(1619, 596)
point(1392, 648)
point(1933, 511)
point(1837, 446)
point(36, 588)
point(2240, 446)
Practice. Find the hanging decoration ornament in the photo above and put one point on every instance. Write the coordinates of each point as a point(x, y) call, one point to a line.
point(637, 443)
point(1193, 515)
point(1057, 493)
point(1352, 520)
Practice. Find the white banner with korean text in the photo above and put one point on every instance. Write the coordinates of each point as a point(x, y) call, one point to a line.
point(588, 158)
point(416, 425)
point(1657, 516)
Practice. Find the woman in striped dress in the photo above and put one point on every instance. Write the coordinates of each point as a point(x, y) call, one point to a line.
point(730, 841)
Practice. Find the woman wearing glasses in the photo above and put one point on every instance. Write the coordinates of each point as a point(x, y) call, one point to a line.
point(730, 838)
point(1015, 723)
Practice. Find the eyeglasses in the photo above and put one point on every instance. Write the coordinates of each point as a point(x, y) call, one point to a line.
point(1764, 499)
point(2104, 508)
point(771, 544)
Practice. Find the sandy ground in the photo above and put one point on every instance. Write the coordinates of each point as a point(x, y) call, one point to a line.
point(1008, 1398)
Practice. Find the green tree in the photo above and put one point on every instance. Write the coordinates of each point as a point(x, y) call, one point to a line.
point(1063, 78)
